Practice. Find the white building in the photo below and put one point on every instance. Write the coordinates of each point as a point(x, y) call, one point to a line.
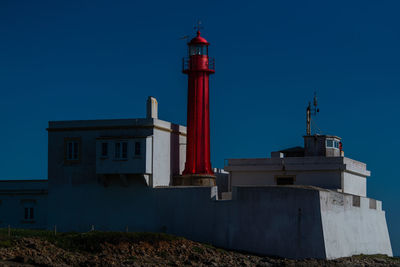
point(351, 223)
point(23, 203)
point(148, 150)
point(320, 163)
point(117, 175)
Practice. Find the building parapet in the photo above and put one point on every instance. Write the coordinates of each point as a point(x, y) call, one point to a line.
point(8, 186)
point(90, 125)
point(298, 164)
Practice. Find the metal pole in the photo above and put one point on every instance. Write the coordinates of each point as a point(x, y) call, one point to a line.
point(309, 119)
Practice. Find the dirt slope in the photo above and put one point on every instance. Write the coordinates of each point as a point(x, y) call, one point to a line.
point(121, 249)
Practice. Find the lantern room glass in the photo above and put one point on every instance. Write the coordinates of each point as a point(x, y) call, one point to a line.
point(198, 50)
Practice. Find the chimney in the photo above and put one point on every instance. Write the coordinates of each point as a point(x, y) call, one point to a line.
point(152, 108)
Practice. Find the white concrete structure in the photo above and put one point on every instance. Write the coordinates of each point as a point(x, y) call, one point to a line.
point(148, 149)
point(350, 222)
point(320, 163)
point(23, 203)
point(353, 225)
point(152, 108)
point(336, 173)
point(116, 174)
point(286, 221)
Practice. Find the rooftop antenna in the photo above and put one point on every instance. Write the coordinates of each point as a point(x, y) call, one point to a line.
point(184, 37)
point(311, 111)
point(198, 27)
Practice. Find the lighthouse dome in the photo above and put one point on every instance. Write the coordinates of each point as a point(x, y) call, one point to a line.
point(198, 40)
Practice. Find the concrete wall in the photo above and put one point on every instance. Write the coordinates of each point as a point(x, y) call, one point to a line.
point(162, 162)
point(259, 220)
point(314, 145)
point(282, 221)
point(354, 184)
point(324, 179)
point(222, 181)
point(162, 147)
point(84, 171)
point(336, 173)
point(133, 164)
point(77, 208)
point(17, 195)
point(351, 227)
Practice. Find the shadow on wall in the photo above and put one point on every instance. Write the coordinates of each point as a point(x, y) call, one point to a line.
point(174, 150)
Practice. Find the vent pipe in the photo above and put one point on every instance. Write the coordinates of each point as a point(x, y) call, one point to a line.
point(152, 108)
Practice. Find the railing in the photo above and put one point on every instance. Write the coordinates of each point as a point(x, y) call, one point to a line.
point(211, 63)
point(186, 64)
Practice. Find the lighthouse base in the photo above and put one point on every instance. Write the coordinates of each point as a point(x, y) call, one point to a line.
point(194, 180)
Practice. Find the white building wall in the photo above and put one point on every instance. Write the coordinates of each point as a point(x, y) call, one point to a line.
point(169, 153)
point(255, 178)
point(336, 173)
point(182, 153)
point(149, 154)
point(15, 196)
point(324, 179)
point(292, 222)
point(353, 230)
point(162, 165)
point(163, 150)
point(133, 164)
point(354, 184)
point(111, 208)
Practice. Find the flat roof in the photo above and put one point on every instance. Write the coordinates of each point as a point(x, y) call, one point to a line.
point(323, 135)
point(319, 163)
point(15, 186)
point(92, 125)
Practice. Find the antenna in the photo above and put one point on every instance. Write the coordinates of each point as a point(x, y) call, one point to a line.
point(184, 37)
point(198, 27)
point(311, 111)
point(315, 110)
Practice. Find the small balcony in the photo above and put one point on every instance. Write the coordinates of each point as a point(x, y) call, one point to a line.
point(198, 63)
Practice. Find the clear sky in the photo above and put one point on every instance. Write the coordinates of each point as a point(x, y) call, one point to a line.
point(68, 60)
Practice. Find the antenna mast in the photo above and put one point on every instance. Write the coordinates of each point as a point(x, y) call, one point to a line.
point(311, 111)
point(198, 27)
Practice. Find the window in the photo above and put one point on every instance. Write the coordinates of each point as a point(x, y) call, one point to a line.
point(285, 180)
point(124, 150)
point(198, 50)
point(372, 203)
point(356, 201)
point(137, 148)
point(329, 143)
point(336, 144)
point(104, 149)
point(28, 206)
point(29, 214)
point(72, 149)
point(117, 150)
point(121, 150)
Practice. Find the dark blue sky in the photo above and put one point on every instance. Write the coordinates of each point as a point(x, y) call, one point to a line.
point(64, 60)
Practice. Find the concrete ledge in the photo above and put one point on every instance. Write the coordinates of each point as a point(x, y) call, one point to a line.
point(195, 180)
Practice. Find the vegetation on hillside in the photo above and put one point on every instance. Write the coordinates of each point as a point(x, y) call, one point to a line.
point(46, 248)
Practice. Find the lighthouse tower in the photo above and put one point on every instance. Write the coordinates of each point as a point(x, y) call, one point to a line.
point(198, 66)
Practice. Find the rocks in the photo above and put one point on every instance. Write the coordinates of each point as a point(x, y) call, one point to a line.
point(177, 252)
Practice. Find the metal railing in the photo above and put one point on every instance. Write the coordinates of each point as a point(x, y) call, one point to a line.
point(186, 64)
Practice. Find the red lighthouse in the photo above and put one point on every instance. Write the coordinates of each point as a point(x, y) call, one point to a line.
point(198, 66)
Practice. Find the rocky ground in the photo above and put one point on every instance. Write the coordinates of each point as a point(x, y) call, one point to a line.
point(135, 249)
